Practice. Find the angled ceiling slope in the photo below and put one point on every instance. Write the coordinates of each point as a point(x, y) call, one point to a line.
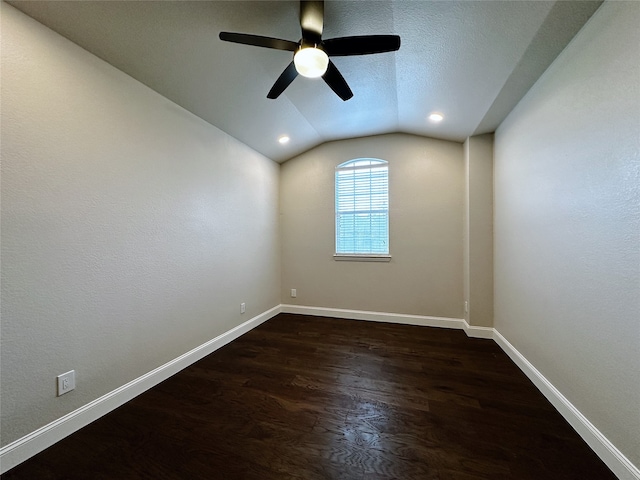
point(472, 61)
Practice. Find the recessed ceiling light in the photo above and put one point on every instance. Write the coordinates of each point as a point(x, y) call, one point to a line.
point(283, 139)
point(436, 117)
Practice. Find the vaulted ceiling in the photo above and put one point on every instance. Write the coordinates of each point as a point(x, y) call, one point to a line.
point(472, 61)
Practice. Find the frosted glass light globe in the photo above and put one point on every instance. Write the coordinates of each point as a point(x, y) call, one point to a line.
point(311, 62)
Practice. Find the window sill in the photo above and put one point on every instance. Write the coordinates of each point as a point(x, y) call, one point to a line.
point(342, 257)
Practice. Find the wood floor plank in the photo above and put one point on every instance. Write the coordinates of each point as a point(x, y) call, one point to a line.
point(308, 398)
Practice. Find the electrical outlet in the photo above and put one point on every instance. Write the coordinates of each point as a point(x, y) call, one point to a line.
point(466, 306)
point(294, 293)
point(66, 382)
point(243, 307)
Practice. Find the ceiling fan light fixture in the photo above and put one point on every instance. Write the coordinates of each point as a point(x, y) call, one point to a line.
point(311, 62)
point(311, 53)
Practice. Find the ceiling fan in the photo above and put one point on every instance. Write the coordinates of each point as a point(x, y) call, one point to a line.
point(311, 53)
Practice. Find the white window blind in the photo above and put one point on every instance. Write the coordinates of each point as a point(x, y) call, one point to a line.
point(362, 207)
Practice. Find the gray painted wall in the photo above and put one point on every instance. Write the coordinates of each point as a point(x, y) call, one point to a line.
point(478, 230)
point(426, 192)
point(567, 224)
point(131, 229)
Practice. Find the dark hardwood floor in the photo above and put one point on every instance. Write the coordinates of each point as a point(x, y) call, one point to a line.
point(317, 398)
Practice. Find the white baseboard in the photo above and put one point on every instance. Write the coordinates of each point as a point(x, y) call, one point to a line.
point(33, 443)
point(478, 332)
point(607, 451)
point(402, 318)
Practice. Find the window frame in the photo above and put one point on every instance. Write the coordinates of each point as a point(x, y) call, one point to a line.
point(352, 165)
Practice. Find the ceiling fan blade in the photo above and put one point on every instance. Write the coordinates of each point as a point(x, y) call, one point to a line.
point(311, 20)
point(283, 81)
point(336, 81)
point(361, 45)
point(259, 41)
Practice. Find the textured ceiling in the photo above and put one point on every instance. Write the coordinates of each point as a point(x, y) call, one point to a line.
point(470, 60)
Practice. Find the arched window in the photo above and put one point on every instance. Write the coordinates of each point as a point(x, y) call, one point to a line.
point(362, 207)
